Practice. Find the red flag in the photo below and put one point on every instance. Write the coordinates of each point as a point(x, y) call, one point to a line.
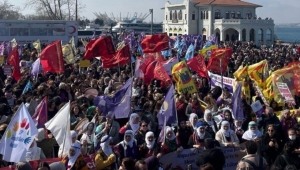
point(157, 71)
point(197, 64)
point(145, 64)
point(100, 47)
point(155, 43)
point(88, 49)
point(52, 58)
point(159, 57)
point(13, 60)
point(219, 55)
point(122, 57)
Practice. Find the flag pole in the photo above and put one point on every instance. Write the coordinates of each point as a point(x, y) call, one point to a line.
point(68, 120)
point(221, 72)
point(165, 124)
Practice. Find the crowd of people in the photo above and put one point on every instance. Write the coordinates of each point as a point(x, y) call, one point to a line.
point(270, 141)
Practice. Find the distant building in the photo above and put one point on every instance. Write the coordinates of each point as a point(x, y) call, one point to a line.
point(229, 20)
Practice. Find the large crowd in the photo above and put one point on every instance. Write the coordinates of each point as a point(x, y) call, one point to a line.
point(271, 141)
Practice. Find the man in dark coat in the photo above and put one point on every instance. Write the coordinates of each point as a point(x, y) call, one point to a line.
point(212, 155)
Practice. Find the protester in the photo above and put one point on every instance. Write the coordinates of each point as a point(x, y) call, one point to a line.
point(74, 159)
point(105, 157)
point(46, 144)
point(227, 137)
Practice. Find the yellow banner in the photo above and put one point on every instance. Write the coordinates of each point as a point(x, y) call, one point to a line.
point(183, 78)
point(84, 63)
point(1, 59)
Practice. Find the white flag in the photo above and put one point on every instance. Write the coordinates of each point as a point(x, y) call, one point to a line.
point(18, 136)
point(169, 64)
point(13, 43)
point(59, 126)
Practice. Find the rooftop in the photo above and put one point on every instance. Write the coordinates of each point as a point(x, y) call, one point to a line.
point(225, 2)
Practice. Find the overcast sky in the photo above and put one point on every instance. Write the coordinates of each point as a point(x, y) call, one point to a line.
point(282, 11)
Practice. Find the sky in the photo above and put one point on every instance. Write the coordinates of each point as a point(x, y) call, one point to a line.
point(282, 11)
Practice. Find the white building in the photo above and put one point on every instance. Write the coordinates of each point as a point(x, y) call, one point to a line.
point(227, 19)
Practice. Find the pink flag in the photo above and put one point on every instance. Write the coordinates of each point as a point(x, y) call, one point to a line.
point(138, 71)
point(40, 116)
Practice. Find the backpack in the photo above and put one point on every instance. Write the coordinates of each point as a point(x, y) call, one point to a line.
point(261, 163)
point(288, 165)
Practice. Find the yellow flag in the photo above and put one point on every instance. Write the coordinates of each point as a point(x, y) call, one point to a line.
point(259, 73)
point(241, 73)
point(183, 78)
point(206, 52)
point(68, 54)
point(37, 46)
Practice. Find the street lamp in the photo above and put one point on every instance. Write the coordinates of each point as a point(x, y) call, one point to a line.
point(151, 11)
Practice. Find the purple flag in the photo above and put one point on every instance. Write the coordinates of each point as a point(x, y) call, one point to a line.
point(123, 99)
point(35, 68)
point(237, 108)
point(40, 116)
point(2, 48)
point(168, 109)
point(162, 133)
point(104, 103)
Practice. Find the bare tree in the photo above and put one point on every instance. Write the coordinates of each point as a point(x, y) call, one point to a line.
point(9, 11)
point(55, 9)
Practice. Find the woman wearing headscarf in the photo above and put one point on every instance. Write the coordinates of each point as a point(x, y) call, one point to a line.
point(74, 160)
point(150, 147)
point(91, 112)
point(105, 158)
point(196, 140)
point(128, 147)
point(183, 133)
point(226, 137)
point(194, 107)
point(34, 153)
point(287, 121)
point(228, 117)
point(210, 124)
point(238, 129)
point(133, 124)
point(88, 138)
point(171, 143)
point(57, 166)
point(193, 119)
point(252, 133)
point(46, 144)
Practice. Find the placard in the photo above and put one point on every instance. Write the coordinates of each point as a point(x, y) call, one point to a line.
point(286, 93)
point(257, 108)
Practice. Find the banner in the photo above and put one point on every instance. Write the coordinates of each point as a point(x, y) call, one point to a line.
point(257, 108)
point(34, 164)
point(90, 161)
point(182, 159)
point(285, 92)
point(183, 78)
point(216, 80)
point(260, 94)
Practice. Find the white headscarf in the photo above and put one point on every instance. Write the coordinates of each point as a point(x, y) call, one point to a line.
point(209, 122)
point(72, 159)
point(41, 135)
point(226, 133)
point(252, 134)
point(149, 144)
point(191, 119)
point(201, 135)
point(130, 143)
point(106, 148)
point(33, 153)
point(169, 129)
point(236, 126)
point(133, 126)
point(73, 134)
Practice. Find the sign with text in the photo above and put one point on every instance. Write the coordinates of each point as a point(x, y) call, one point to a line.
point(285, 92)
point(261, 94)
point(181, 160)
point(216, 80)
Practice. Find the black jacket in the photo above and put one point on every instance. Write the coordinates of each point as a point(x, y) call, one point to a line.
point(213, 156)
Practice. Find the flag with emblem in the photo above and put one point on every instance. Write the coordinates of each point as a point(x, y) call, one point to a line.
point(206, 52)
point(68, 54)
point(168, 109)
point(18, 136)
point(37, 46)
point(14, 60)
point(258, 73)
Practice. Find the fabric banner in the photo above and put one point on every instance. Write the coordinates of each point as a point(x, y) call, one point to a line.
point(34, 164)
point(216, 80)
point(182, 159)
point(90, 163)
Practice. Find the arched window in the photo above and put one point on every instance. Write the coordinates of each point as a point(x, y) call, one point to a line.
point(249, 15)
point(227, 15)
point(206, 15)
point(171, 15)
point(174, 15)
point(268, 35)
point(232, 15)
point(238, 15)
point(180, 15)
point(244, 35)
point(217, 14)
